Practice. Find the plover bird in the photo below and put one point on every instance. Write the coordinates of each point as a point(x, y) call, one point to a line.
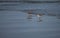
point(29, 14)
point(39, 17)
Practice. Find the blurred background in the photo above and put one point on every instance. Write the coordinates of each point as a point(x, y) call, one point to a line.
point(14, 22)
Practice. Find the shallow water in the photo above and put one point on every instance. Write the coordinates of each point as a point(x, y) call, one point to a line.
point(14, 23)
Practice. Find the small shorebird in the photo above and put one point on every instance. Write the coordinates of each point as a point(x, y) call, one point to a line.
point(29, 14)
point(39, 17)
